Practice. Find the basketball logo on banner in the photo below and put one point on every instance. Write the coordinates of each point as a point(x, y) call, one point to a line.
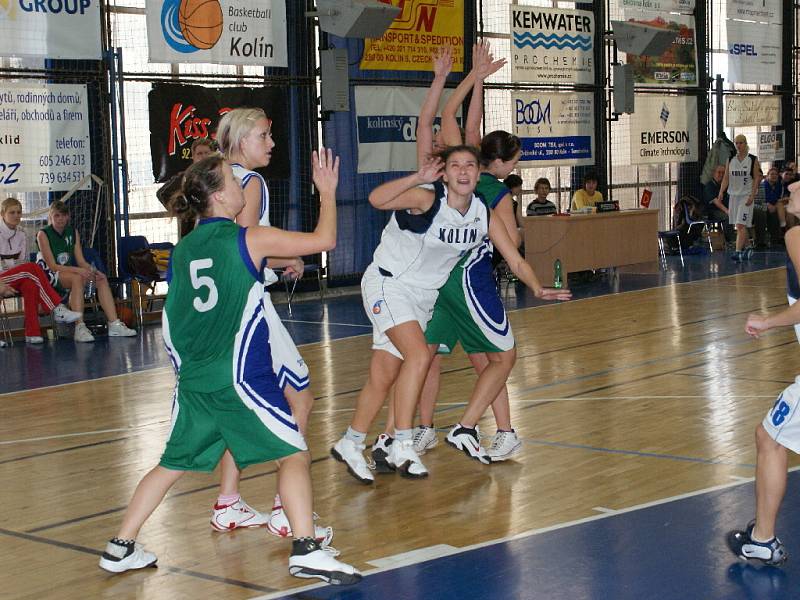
point(191, 25)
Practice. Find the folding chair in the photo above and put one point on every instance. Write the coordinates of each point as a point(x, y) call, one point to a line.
point(308, 268)
point(668, 235)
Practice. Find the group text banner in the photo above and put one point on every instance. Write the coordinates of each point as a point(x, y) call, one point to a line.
point(771, 146)
point(664, 129)
point(555, 129)
point(44, 137)
point(387, 127)
point(677, 67)
point(768, 11)
point(181, 114)
point(632, 8)
point(422, 27)
point(551, 45)
point(754, 53)
point(230, 32)
point(55, 29)
point(744, 111)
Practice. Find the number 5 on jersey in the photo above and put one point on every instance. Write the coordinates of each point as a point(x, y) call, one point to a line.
point(203, 281)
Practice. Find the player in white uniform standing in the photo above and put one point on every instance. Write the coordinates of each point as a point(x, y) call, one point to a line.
point(430, 230)
point(741, 181)
point(244, 136)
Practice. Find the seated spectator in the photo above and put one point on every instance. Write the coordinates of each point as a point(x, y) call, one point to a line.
point(588, 195)
point(716, 211)
point(789, 176)
point(514, 183)
point(201, 148)
point(61, 258)
point(767, 203)
point(541, 205)
point(25, 278)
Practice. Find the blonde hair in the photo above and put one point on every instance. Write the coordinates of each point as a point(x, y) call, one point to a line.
point(235, 126)
point(8, 203)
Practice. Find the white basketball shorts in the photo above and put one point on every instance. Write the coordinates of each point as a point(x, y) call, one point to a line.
point(289, 366)
point(782, 421)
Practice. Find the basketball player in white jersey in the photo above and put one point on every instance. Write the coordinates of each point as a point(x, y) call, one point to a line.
point(244, 137)
point(429, 231)
point(741, 181)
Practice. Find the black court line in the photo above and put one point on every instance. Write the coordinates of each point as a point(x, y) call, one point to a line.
point(69, 449)
point(117, 509)
point(739, 378)
point(177, 570)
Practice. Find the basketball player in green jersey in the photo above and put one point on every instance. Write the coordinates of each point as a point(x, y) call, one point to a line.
point(227, 394)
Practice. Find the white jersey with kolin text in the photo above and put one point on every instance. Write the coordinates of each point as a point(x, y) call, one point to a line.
point(245, 176)
point(421, 250)
point(740, 175)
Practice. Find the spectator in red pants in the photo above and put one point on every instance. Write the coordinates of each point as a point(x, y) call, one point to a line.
point(29, 280)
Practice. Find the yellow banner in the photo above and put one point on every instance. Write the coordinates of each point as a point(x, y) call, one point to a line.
point(421, 27)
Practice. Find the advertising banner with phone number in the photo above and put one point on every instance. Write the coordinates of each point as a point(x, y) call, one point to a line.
point(44, 137)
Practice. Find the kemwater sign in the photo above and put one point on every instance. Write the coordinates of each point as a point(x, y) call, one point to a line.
point(232, 32)
point(664, 129)
point(50, 28)
point(387, 127)
point(555, 129)
point(44, 137)
point(550, 45)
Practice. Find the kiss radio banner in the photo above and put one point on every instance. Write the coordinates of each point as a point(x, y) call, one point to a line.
point(228, 32)
point(54, 29)
point(181, 114)
point(421, 27)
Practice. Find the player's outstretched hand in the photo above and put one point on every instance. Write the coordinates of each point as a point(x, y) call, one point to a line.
point(442, 61)
point(432, 169)
point(554, 294)
point(325, 171)
point(756, 325)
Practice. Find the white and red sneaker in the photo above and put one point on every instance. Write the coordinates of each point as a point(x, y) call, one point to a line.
point(236, 515)
point(278, 524)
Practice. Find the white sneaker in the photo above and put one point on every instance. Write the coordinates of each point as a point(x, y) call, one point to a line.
point(468, 441)
point(119, 329)
point(380, 450)
point(321, 565)
point(278, 524)
point(82, 333)
point(403, 458)
point(34, 339)
point(347, 451)
point(236, 515)
point(424, 439)
point(505, 444)
point(119, 558)
point(64, 315)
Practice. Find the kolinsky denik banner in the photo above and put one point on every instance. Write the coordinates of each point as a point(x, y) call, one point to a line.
point(240, 32)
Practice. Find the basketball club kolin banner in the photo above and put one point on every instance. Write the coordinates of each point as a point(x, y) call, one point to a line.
point(181, 114)
point(420, 28)
point(54, 29)
point(240, 32)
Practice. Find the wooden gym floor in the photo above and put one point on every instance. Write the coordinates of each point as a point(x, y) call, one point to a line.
point(622, 400)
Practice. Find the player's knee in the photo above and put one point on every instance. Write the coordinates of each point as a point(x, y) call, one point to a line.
point(764, 441)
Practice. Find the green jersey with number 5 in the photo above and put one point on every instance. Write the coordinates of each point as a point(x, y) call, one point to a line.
point(213, 322)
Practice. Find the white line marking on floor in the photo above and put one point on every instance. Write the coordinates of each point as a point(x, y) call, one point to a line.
point(604, 510)
point(532, 532)
point(413, 556)
point(740, 478)
point(81, 433)
point(327, 323)
point(47, 387)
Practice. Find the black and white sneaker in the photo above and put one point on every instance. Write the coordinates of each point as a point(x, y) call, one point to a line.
point(403, 458)
point(121, 556)
point(380, 451)
point(771, 552)
point(309, 561)
point(468, 441)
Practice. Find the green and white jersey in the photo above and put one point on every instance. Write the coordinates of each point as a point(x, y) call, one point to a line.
point(214, 323)
point(62, 244)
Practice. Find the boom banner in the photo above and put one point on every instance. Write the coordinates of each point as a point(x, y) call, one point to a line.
point(664, 129)
point(181, 114)
point(387, 127)
point(44, 137)
point(422, 27)
point(550, 45)
point(52, 29)
point(228, 32)
point(555, 129)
